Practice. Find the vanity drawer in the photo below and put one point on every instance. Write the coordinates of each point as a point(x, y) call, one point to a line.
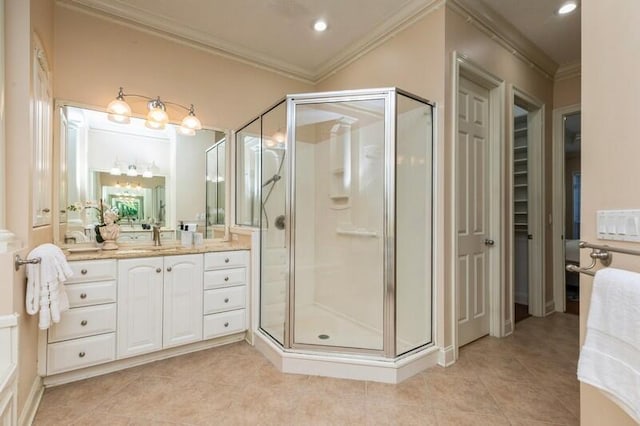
point(167, 235)
point(224, 323)
point(81, 322)
point(224, 299)
point(225, 277)
point(93, 270)
point(94, 293)
point(78, 353)
point(225, 259)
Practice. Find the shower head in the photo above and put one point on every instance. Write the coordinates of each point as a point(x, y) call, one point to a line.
point(272, 179)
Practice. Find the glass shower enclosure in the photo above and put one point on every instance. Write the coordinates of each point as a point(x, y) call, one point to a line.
point(340, 185)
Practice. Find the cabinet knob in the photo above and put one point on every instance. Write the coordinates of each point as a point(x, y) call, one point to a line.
point(168, 268)
point(81, 355)
point(83, 323)
point(158, 270)
point(46, 210)
point(63, 211)
point(226, 278)
point(226, 324)
point(83, 295)
point(226, 300)
point(83, 272)
point(226, 260)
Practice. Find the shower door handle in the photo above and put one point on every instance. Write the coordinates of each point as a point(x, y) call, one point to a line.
point(489, 242)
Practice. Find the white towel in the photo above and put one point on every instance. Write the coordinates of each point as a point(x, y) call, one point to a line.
point(610, 356)
point(45, 284)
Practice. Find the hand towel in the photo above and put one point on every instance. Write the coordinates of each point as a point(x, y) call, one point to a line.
point(610, 356)
point(45, 284)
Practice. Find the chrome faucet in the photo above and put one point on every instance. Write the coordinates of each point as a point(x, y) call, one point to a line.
point(156, 235)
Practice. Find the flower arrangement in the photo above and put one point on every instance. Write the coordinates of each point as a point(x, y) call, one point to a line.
point(103, 212)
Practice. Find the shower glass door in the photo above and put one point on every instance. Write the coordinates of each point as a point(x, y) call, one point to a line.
point(338, 222)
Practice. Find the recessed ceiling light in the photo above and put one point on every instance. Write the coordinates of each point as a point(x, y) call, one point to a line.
point(567, 8)
point(320, 25)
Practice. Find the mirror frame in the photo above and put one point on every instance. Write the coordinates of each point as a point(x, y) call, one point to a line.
point(59, 167)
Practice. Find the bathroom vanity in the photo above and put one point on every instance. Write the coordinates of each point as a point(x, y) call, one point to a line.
point(139, 304)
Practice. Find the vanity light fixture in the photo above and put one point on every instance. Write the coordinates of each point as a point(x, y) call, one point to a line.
point(115, 170)
point(119, 111)
point(567, 8)
point(132, 170)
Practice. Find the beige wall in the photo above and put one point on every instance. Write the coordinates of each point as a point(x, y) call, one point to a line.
point(93, 57)
point(610, 149)
point(566, 92)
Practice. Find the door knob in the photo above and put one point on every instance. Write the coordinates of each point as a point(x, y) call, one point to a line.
point(489, 242)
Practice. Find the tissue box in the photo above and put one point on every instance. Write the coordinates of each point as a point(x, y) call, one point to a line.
point(186, 238)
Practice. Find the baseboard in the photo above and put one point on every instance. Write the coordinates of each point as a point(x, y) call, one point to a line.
point(508, 328)
point(32, 403)
point(549, 308)
point(446, 356)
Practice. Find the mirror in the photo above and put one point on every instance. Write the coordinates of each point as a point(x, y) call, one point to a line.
point(150, 176)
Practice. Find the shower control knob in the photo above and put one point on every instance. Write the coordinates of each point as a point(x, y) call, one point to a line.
point(489, 242)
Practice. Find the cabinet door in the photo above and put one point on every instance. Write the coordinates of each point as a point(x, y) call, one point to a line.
point(139, 306)
point(182, 299)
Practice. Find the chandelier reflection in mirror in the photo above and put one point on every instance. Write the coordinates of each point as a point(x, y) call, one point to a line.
point(119, 111)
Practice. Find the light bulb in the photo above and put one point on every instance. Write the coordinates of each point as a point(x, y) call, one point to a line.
point(119, 110)
point(279, 137)
point(320, 25)
point(132, 171)
point(147, 174)
point(153, 125)
point(186, 131)
point(567, 8)
point(191, 122)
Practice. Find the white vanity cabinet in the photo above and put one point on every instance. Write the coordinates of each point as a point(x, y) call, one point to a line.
point(182, 318)
point(140, 283)
point(225, 293)
point(85, 335)
point(159, 303)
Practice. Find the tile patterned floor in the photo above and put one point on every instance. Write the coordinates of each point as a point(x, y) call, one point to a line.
point(526, 379)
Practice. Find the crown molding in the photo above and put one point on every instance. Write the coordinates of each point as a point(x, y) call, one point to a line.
point(505, 34)
point(568, 71)
point(169, 29)
point(408, 15)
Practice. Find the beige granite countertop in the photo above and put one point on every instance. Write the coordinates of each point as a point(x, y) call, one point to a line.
point(127, 251)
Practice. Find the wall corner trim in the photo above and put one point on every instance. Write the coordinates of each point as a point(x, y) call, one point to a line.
point(446, 356)
point(568, 71)
point(505, 34)
point(32, 403)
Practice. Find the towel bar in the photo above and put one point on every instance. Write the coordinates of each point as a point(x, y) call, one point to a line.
point(603, 253)
point(19, 262)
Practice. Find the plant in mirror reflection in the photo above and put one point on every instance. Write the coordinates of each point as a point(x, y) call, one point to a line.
point(100, 209)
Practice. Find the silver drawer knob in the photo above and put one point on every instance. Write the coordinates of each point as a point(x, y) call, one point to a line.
point(81, 355)
point(226, 300)
point(169, 269)
point(226, 278)
point(83, 272)
point(226, 260)
point(226, 324)
point(83, 295)
point(158, 270)
point(83, 323)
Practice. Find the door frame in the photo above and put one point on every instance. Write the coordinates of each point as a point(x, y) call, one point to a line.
point(536, 169)
point(463, 67)
point(558, 208)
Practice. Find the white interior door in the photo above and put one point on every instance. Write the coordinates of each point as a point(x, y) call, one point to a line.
point(473, 212)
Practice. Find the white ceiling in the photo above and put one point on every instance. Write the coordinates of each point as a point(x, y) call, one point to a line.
point(278, 33)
